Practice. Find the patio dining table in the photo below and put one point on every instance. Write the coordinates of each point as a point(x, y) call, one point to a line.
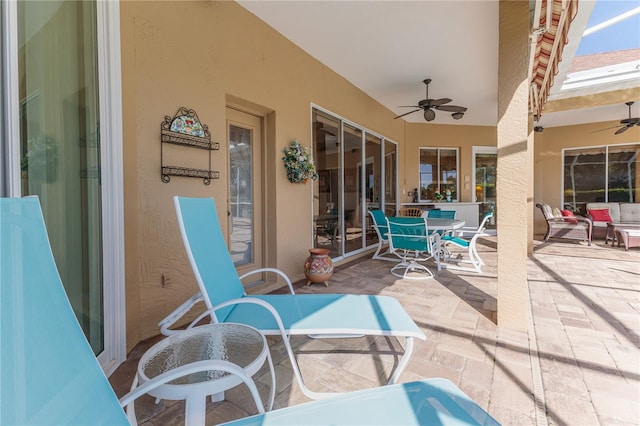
point(442, 224)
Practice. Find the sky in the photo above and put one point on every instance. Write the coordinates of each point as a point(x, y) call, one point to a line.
point(620, 36)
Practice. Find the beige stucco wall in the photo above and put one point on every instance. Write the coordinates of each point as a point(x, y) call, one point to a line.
point(548, 157)
point(198, 55)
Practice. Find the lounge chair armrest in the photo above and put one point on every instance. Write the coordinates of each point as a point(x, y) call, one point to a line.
point(178, 313)
point(184, 370)
point(275, 271)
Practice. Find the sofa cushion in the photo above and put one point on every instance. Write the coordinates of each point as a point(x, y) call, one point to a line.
point(629, 212)
point(569, 217)
point(614, 211)
point(546, 210)
point(600, 215)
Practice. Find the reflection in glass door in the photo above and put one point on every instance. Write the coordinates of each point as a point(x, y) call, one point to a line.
point(245, 194)
point(60, 159)
point(327, 190)
point(485, 160)
point(353, 189)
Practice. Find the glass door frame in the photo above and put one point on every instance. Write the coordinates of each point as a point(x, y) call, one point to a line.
point(475, 150)
point(109, 86)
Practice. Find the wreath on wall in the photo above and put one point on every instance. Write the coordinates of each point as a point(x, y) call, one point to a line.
point(298, 163)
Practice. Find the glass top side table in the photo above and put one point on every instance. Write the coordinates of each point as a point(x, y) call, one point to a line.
point(239, 344)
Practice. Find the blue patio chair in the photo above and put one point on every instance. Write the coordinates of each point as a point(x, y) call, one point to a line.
point(443, 214)
point(469, 244)
point(410, 240)
point(380, 225)
point(426, 402)
point(48, 372)
point(317, 315)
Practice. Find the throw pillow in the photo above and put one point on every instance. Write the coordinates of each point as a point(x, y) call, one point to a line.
point(569, 217)
point(600, 215)
point(556, 212)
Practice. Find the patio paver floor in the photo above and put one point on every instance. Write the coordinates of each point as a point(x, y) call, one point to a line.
point(582, 367)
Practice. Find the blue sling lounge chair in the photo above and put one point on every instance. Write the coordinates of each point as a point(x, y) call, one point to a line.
point(419, 403)
point(318, 315)
point(48, 372)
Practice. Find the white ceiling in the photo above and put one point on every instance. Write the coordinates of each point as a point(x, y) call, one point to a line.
point(387, 48)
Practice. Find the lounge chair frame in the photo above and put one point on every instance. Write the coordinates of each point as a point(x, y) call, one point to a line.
point(316, 315)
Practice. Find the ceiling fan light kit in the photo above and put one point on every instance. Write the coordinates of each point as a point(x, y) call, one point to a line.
point(430, 105)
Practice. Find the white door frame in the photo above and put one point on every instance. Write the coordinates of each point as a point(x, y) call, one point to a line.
point(478, 150)
point(108, 32)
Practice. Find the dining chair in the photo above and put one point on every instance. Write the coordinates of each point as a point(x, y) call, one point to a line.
point(410, 240)
point(442, 214)
point(379, 223)
point(410, 212)
point(457, 239)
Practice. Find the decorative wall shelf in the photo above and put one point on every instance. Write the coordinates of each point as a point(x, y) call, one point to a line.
point(185, 129)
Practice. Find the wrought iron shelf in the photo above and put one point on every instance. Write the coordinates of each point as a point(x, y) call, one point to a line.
point(205, 175)
point(190, 141)
point(185, 129)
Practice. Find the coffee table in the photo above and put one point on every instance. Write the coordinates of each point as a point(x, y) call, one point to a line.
point(234, 346)
point(629, 237)
point(612, 228)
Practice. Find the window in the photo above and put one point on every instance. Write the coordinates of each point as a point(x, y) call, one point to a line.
point(438, 173)
point(600, 174)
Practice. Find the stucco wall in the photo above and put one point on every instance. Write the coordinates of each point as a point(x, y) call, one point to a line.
point(548, 147)
point(199, 55)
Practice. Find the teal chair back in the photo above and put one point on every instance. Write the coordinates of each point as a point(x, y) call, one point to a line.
point(409, 233)
point(483, 222)
point(442, 214)
point(215, 273)
point(49, 373)
point(380, 221)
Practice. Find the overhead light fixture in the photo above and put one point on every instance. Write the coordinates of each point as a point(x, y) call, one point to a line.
point(429, 114)
point(457, 115)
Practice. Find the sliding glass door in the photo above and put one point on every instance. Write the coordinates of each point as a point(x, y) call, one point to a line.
point(353, 179)
point(63, 105)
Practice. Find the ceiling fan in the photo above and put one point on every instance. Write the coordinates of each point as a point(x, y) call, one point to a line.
point(628, 122)
point(429, 105)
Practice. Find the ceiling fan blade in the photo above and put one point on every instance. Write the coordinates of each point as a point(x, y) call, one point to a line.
point(438, 102)
point(608, 128)
point(623, 129)
point(451, 108)
point(409, 106)
point(406, 113)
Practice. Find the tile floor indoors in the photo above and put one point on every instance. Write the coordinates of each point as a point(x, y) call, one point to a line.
point(578, 364)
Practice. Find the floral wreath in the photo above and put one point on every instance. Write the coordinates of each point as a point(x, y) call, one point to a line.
point(298, 163)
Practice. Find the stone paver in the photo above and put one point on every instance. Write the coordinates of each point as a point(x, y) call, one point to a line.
point(579, 364)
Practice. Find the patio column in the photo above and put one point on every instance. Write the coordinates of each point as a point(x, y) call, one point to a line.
point(513, 163)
